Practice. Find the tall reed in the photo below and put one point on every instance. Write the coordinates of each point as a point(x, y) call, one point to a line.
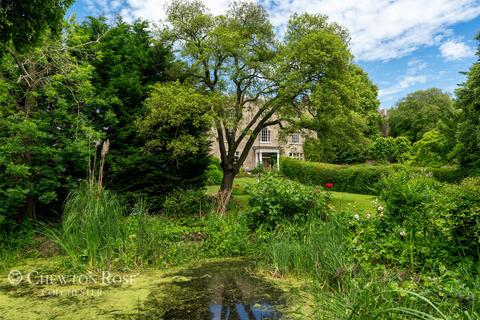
point(92, 230)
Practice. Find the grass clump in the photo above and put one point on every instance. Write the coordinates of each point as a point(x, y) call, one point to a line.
point(92, 229)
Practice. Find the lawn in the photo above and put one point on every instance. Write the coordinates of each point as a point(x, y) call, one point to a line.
point(340, 201)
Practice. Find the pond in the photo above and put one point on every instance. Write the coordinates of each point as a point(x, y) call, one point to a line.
point(215, 290)
point(218, 290)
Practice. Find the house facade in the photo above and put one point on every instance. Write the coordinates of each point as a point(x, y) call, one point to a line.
point(269, 146)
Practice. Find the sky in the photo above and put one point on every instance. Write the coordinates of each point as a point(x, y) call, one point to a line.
point(404, 45)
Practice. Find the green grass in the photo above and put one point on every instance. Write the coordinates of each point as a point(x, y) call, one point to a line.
point(353, 203)
point(341, 201)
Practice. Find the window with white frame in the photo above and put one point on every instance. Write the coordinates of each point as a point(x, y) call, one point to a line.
point(296, 138)
point(265, 135)
point(296, 155)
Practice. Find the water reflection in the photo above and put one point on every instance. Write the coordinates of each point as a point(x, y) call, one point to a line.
point(215, 291)
point(255, 311)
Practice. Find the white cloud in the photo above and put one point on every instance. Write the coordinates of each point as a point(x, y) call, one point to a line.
point(380, 29)
point(404, 83)
point(412, 77)
point(453, 50)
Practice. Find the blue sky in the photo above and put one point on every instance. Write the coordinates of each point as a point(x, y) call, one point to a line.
point(404, 45)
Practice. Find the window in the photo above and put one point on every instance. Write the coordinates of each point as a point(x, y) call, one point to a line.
point(265, 135)
point(296, 138)
point(296, 155)
point(237, 156)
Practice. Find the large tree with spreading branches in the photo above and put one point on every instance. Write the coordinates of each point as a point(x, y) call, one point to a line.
point(237, 59)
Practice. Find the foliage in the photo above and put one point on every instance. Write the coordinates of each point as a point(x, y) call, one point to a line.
point(316, 249)
point(128, 61)
point(22, 23)
point(44, 131)
point(16, 242)
point(360, 178)
point(391, 149)
point(96, 232)
point(226, 236)
point(175, 137)
point(459, 208)
point(213, 174)
point(420, 112)
point(467, 149)
point(274, 200)
point(346, 118)
point(236, 55)
point(349, 285)
point(259, 169)
point(187, 203)
point(431, 150)
point(92, 230)
point(424, 223)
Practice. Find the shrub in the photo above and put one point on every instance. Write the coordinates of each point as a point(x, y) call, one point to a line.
point(259, 169)
point(391, 149)
point(458, 207)
point(432, 149)
point(356, 178)
point(448, 174)
point(274, 200)
point(408, 198)
point(226, 236)
point(361, 178)
point(214, 174)
point(426, 223)
point(187, 202)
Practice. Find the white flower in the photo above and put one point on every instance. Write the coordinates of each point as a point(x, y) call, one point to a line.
point(356, 217)
point(403, 233)
point(368, 216)
point(380, 209)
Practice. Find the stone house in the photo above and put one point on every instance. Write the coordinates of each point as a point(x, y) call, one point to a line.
point(269, 146)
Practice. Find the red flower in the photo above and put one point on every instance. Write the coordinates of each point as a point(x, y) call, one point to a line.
point(328, 185)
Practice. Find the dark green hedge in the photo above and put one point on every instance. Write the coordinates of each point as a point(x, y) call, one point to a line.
point(360, 178)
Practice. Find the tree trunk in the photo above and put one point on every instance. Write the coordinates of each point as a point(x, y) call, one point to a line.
point(27, 211)
point(223, 196)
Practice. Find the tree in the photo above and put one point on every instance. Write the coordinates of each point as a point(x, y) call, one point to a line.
point(44, 132)
point(237, 56)
point(22, 23)
point(344, 115)
point(128, 61)
point(432, 150)
point(467, 150)
point(391, 149)
point(176, 134)
point(419, 112)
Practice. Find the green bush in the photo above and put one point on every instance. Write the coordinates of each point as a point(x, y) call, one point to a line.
point(214, 174)
point(408, 198)
point(362, 178)
point(425, 223)
point(187, 202)
point(391, 149)
point(448, 174)
point(273, 200)
point(259, 169)
point(226, 236)
point(458, 208)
